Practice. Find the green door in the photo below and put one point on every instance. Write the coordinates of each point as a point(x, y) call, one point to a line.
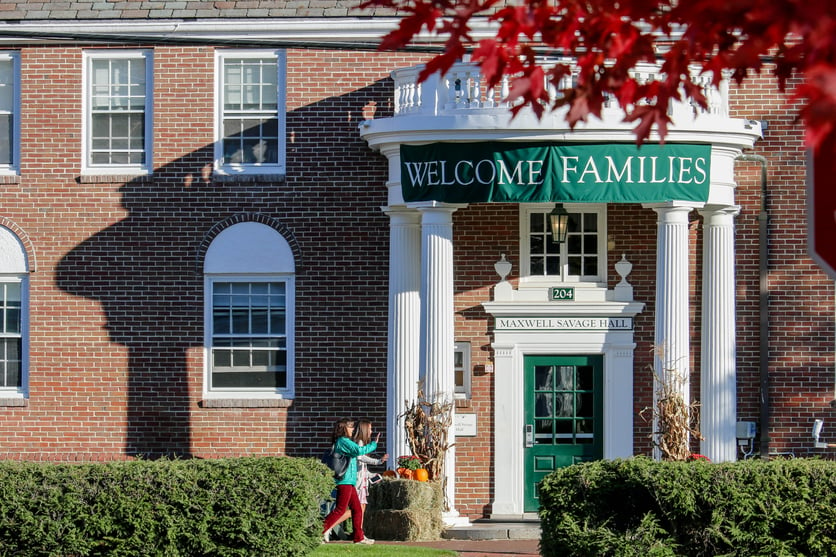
point(563, 416)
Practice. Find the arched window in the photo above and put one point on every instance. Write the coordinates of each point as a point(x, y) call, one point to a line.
point(14, 312)
point(249, 314)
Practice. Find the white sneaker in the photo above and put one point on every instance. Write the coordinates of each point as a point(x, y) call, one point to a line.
point(367, 541)
point(326, 537)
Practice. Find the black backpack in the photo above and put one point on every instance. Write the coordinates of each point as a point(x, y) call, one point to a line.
point(336, 461)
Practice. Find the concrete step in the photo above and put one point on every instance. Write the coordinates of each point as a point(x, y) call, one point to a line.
point(486, 529)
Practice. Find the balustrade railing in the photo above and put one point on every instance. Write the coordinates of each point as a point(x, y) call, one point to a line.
point(464, 89)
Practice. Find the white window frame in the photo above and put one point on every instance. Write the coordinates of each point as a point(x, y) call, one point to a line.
point(87, 128)
point(23, 389)
point(278, 168)
point(537, 281)
point(463, 391)
point(249, 393)
point(13, 168)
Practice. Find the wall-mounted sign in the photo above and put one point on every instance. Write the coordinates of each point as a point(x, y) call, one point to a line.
point(564, 324)
point(512, 172)
point(465, 425)
point(561, 294)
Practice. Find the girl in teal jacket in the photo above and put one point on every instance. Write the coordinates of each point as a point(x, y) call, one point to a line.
point(346, 492)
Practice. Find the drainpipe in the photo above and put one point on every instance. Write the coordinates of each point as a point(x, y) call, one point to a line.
point(763, 264)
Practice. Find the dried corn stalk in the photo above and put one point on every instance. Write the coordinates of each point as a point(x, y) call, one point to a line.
point(676, 422)
point(426, 424)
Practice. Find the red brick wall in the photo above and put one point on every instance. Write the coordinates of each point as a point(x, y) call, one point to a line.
point(801, 297)
point(117, 295)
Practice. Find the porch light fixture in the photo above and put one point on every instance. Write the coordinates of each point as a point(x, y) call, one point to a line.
point(559, 223)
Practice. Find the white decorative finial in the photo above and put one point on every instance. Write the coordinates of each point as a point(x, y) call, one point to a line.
point(623, 290)
point(502, 267)
point(623, 268)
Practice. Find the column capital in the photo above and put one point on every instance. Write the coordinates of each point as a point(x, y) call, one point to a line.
point(674, 205)
point(719, 211)
point(425, 206)
point(402, 214)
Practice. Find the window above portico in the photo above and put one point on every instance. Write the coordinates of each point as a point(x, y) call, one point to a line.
point(580, 259)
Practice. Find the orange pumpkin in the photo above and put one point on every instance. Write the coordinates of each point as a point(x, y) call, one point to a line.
point(390, 474)
point(405, 473)
point(422, 475)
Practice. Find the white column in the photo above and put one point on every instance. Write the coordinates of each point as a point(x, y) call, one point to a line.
point(437, 336)
point(404, 323)
point(672, 358)
point(718, 381)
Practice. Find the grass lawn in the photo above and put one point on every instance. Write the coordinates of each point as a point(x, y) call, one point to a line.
point(379, 550)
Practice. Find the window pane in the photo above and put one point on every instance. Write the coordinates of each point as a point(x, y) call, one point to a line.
point(7, 103)
point(537, 222)
point(590, 244)
point(574, 244)
point(250, 380)
point(240, 321)
point(222, 358)
point(553, 266)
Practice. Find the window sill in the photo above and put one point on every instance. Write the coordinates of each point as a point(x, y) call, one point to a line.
point(249, 178)
point(246, 403)
point(112, 178)
point(19, 402)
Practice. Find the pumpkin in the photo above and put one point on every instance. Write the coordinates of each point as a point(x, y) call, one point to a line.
point(422, 475)
point(390, 474)
point(405, 473)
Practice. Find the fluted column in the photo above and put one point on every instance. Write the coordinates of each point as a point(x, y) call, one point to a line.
point(404, 323)
point(437, 337)
point(672, 358)
point(718, 380)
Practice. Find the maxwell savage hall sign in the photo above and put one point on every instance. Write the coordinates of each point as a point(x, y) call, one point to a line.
point(538, 172)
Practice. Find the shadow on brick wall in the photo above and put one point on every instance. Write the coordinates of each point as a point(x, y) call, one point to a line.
point(145, 272)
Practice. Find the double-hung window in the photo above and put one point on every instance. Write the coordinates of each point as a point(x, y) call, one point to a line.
point(118, 112)
point(249, 335)
point(9, 112)
point(11, 334)
point(461, 369)
point(581, 258)
point(251, 112)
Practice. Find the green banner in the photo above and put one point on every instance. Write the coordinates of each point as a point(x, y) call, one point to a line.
point(506, 172)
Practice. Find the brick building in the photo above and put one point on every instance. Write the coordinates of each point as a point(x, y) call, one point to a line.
point(224, 225)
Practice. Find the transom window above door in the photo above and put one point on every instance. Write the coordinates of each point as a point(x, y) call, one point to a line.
point(580, 258)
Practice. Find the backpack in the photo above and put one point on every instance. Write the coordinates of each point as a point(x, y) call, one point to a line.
point(336, 461)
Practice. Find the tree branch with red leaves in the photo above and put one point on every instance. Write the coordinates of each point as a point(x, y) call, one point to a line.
point(608, 38)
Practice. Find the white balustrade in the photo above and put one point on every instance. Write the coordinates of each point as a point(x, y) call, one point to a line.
point(463, 89)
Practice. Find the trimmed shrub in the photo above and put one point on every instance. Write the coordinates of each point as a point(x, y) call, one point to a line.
point(226, 507)
point(637, 506)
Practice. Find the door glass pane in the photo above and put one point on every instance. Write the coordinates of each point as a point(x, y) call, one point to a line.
point(543, 378)
point(565, 378)
point(543, 407)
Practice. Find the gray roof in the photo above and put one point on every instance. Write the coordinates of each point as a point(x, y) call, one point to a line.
point(103, 10)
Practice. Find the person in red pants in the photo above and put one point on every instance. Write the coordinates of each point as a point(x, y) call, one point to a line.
point(346, 490)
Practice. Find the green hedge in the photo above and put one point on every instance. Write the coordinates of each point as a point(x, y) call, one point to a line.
point(640, 507)
point(238, 506)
